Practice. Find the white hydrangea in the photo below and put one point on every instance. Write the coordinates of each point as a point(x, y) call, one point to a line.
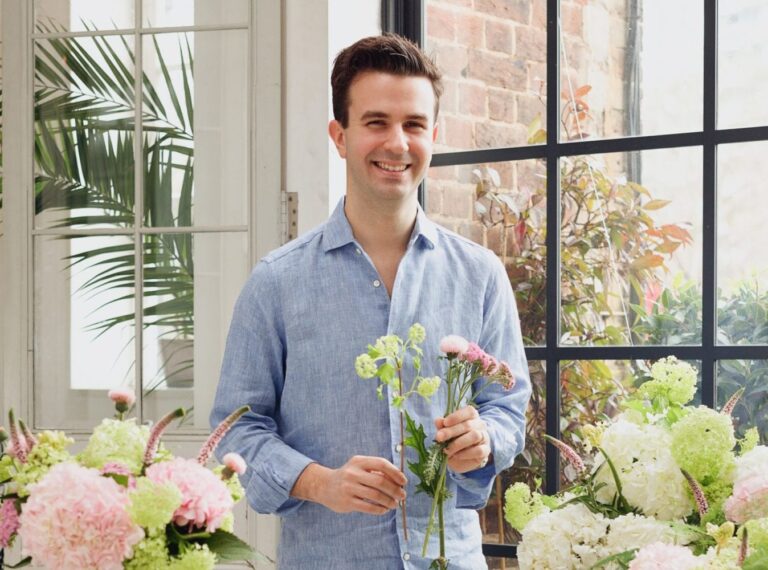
point(753, 462)
point(635, 531)
point(570, 538)
point(650, 477)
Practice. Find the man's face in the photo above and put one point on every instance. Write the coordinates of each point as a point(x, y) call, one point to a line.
point(389, 135)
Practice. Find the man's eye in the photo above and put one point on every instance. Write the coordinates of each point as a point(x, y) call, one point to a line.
point(375, 123)
point(415, 125)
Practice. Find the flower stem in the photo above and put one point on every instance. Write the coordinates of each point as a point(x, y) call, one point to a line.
point(402, 457)
point(439, 492)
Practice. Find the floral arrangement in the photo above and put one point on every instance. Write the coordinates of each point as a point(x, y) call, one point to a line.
point(124, 502)
point(466, 364)
point(663, 485)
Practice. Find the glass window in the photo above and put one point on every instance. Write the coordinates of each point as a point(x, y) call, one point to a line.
point(138, 261)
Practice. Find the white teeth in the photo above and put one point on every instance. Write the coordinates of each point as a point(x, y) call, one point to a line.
point(392, 167)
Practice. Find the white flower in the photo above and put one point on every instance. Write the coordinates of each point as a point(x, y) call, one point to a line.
point(636, 531)
point(754, 462)
point(650, 477)
point(565, 539)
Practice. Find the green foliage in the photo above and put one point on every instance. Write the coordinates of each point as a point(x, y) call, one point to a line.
point(431, 458)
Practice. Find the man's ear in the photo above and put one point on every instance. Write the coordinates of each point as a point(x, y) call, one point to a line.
point(434, 133)
point(336, 132)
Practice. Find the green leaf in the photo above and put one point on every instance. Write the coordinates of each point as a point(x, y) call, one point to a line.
point(20, 564)
point(228, 547)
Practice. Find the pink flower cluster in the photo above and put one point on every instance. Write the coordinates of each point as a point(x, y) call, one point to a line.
point(75, 518)
point(749, 499)
point(471, 353)
point(660, 556)
point(205, 498)
point(9, 522)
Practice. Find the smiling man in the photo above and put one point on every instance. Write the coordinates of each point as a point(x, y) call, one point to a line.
point(322, 449)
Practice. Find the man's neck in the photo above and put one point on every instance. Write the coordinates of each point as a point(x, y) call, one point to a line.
point(381, 228)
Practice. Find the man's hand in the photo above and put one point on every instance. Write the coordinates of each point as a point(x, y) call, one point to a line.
point(470, 447)
point(363, 484)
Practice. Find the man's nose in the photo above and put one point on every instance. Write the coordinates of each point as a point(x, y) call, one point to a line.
point(397, 141)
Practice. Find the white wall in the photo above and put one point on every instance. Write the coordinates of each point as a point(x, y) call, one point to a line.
point(315, 31)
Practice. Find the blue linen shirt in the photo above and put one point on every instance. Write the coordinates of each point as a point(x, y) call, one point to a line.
point(307, 311)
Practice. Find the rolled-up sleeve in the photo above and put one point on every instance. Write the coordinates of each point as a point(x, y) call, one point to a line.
point(253, 373)
point(502, 410)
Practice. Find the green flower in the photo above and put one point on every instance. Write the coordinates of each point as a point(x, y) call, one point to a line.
point(702, 444)
point(51, 449)
point(115, 441)
point(672, 380)
point(520, 506)
point(417, 334)
point(757, 530)
point(194, 557)
point(388, 346)
point(150, 554)
point(6, 467)
point(716, 493)
point(750, 441)
point(233, 484)
point(428, 386)
point(153, 504)
point(228, 523)
point(365, 366)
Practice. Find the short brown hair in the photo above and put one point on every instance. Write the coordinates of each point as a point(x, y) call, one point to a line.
point(388, 53)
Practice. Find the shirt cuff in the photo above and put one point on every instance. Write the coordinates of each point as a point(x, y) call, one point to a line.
point(269, 490)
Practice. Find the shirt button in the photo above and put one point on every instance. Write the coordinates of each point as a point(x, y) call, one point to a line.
point(377, 283)
point(406, 556)
point(398, 448)
point(357, 251)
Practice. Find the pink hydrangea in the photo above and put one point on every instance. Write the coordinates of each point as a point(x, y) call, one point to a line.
point(205, 498)
point(9, 522)
point(234, 462)
point(75, 518)
point(454, 344)
point(660, 556)
point(114, 468)
point(749, 499)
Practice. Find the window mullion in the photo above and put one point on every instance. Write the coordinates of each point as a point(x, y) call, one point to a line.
point(553, 247)
point(709, 209)
point(138, 185)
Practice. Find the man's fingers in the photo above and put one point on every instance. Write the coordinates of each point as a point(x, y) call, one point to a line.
point(381, 465)
point(376, 496)
point(465, 441)
point(462, 415)
point(378, 481)
point(361, 506)
point(448, 433)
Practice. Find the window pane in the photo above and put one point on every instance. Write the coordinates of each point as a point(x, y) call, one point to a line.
point(493, 57)
point(528, 468)
point(741, 267)
point(166, 13)
point(191, 283)
point(630, 70)
point(752, 408)
point(81, 15)
point(84, 327)
point(742, 75)
point(84, 122)
point(501, 206)
point(593, 390)
point(630, 248)
point(196, 129)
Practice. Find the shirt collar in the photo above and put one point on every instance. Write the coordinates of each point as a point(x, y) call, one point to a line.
point(338, 232)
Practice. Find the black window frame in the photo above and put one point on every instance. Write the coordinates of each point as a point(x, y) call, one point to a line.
point(407, 17)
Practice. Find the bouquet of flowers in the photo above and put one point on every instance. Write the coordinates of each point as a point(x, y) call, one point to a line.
point(663, 485)
point(466, 364)
point(124, 502)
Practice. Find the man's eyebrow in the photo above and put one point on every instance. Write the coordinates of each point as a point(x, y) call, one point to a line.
point(382, 115)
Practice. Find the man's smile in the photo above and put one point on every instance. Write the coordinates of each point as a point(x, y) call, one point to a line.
point(391, 167)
